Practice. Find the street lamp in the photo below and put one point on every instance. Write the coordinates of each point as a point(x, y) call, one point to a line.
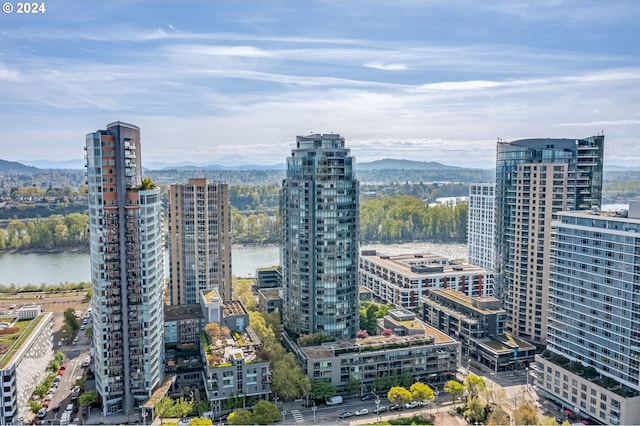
point(284, 412)
point(496, 374)
point(144, 417)
point(377, 401)
point(313, 408)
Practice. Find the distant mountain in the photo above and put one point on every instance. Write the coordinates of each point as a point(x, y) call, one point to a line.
point(392, 164)
point(60, 164)
point(12, 166)
point(616, 168)
point(223, 167)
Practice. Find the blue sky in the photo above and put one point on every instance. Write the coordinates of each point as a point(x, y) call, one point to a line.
point(233, 82)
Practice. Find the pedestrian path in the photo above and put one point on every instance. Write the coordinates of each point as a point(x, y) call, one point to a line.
point(297, 416)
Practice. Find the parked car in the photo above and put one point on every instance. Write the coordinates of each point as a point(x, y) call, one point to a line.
point(424, 403)
point(395, 407)
point(368, 396)
point(362, 412)
point(86, 362)
point(75, 339)
point(42, 413)
point(380, 409)
point(56, 408)
point(412, 404)
point(345, 415)
point(49, 397)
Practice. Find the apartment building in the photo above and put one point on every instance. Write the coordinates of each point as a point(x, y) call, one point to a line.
point(536, 179)
point(127, 269)
point(401, 280)
point(481, 225)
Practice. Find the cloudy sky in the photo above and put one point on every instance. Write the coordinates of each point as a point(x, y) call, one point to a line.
point(233, 82)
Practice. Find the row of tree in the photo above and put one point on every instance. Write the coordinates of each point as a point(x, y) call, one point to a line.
point(407, 218)
point(46, 233)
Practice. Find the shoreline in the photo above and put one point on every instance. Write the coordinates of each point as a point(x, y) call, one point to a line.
point(45, 251)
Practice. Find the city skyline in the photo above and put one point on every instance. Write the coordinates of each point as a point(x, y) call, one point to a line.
point(427, 81)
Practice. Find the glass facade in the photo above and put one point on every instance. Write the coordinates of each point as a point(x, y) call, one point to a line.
point(319, 251)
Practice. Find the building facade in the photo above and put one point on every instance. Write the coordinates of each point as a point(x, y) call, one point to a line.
point(411, 350)
point(535, 179)
point(199, 240)
point(127, 269)
point(24, 364)
point(319, 250)
point(593, 359)
point(481, 225)
point(401, 280)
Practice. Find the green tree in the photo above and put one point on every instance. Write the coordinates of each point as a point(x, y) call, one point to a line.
point(399, 395)
point(525, 414)
point(475, 410)
point(353, 385)
point(499, 417)
point(35, 406)
point(455, 388)
point(70, 319)
point(288, 379)
point(321, 389)
point(181, 407)
point(88, 398)
point(198, 421)
point(421, 392)
point(474, 385)
point(164, 408)
point(147, 184)
point(265, 412)
point(202, 406)
point(548, 421)
point(240, 417)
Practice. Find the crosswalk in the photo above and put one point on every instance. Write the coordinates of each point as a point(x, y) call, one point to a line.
point(297, 416)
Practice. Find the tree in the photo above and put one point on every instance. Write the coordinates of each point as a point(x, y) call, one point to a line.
point(202, 406)
point(399, 395)
point(88, 398)
point(265, 412)
point(240, 417)
point(181, 407)
point(499, 417)
point(198, 421)
point(147, 184)
point(474, 385)
point(454, 388)
point(35, 406)
point(548, 421)
point(70, 320)
point(163, 408)
point(525, 414)
point(322, 390)
point(353, 385)
point(288, 379)
point(475, 410)
point(421, 392)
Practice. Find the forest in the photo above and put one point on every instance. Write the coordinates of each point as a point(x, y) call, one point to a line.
point(46, 233)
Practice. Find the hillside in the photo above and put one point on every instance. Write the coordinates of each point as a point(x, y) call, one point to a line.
point(394, 164)
point(12, 166)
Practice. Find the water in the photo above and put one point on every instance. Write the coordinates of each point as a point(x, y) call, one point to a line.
point(55, 268)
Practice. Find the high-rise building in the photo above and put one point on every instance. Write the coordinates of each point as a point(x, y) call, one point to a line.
point(127, 269)
point(199, 239)
point(319, 253)
point(592, 365)
point(481, 225)
point(535, 179)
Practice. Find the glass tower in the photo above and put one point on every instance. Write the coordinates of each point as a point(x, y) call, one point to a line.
point(319, 252)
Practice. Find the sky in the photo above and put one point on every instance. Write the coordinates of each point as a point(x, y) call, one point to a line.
point(234, 82)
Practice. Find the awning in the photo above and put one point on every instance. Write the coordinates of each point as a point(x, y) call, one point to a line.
point(585, 421)
point(567, 411)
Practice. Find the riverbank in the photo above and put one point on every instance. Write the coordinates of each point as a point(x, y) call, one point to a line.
point(45, 251)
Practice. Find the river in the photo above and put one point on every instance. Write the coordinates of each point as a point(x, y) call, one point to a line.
point(54, 268)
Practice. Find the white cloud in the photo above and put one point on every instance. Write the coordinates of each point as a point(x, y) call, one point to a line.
point(386, 67)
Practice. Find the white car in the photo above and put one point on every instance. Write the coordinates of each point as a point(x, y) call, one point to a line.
point(412, 404)
point(361, 412)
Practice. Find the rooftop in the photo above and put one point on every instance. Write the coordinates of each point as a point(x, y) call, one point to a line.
point(13, 334)
point(455, 296)
point(431, 336)
point(233, 307)
point(178, 312)
point(505, 343)
point(270, 293)
point(212, 296)
point(222, 351)
point(421, 265)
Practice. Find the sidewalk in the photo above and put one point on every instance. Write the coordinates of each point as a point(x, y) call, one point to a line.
point(440, 416)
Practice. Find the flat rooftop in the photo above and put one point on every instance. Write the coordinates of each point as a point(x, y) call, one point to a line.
point(403, 263)
point(212, 296)
point(13, 334)
point(431, 336)
point(270, 293)
point(464, 300)
point(506, 343)
point(178, 312)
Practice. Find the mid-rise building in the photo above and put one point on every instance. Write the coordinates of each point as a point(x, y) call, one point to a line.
point(401, 280)
point(319, 251)
point(592, 362)
point(24, 362)
point(127, 269)
point(269, 277)
point(481, 225)
point(536, 179)
point(406, 349)
point(199, 240)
